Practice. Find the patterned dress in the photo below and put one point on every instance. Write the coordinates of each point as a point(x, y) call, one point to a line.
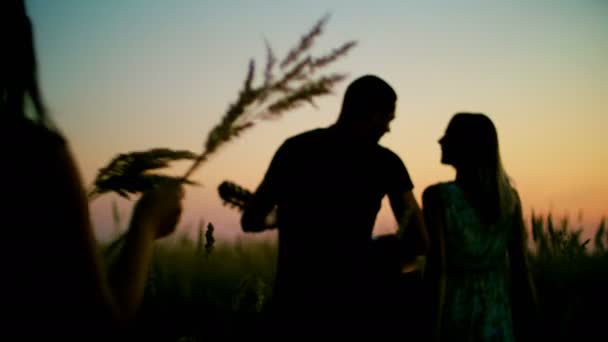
point(477, 302)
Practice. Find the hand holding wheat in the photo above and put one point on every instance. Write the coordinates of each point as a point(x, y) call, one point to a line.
point(160, 208)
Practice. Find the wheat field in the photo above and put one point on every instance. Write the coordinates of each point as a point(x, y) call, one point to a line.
point(200, 288)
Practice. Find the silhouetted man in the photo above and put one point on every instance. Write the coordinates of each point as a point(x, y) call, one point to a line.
point(326, 186)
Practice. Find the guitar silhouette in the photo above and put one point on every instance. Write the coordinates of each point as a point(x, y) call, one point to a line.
point(389, 258)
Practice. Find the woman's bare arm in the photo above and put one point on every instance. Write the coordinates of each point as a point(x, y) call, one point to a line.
point(71, 215)
point(120, 291)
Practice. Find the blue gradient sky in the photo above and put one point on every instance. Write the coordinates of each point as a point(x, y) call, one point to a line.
point(130, 75)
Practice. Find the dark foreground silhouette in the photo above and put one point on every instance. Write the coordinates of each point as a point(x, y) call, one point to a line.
point(54, 281)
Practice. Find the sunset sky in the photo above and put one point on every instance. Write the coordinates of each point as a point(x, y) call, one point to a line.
point(128, 75)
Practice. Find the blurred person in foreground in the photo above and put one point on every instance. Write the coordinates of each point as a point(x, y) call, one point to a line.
point(55, 283)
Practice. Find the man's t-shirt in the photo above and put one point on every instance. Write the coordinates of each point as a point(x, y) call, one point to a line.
point(329, 189)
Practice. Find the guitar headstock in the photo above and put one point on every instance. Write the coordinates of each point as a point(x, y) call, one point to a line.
point(234, 195)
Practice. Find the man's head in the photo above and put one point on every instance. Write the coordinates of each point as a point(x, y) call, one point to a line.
point(368, 106)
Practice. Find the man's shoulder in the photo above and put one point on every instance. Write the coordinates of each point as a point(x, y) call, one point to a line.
point(389, 155)
point(387, 151)
point(309, 136)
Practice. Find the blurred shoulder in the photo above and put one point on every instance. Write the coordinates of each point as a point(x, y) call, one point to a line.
point(24, 134)
point(434, 193)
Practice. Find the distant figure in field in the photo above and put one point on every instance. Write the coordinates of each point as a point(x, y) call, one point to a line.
point(54, 283)
point(477, 262)
point(326, 186)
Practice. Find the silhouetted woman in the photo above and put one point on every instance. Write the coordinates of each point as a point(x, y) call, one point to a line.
point(477, 262)
point(53, 280)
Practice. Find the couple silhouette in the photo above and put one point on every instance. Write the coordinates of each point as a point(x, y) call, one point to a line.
point(323, 190)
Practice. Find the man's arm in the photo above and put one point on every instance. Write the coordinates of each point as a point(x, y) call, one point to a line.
point(411, 229)
point(260, 213)
point(410, 219)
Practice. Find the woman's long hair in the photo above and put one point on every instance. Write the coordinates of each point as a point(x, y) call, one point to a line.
point(19, 88)
point(477, 150)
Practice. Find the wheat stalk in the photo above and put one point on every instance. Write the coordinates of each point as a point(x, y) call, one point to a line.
point(275, 96)
point(130, 172)
point(294, 84)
